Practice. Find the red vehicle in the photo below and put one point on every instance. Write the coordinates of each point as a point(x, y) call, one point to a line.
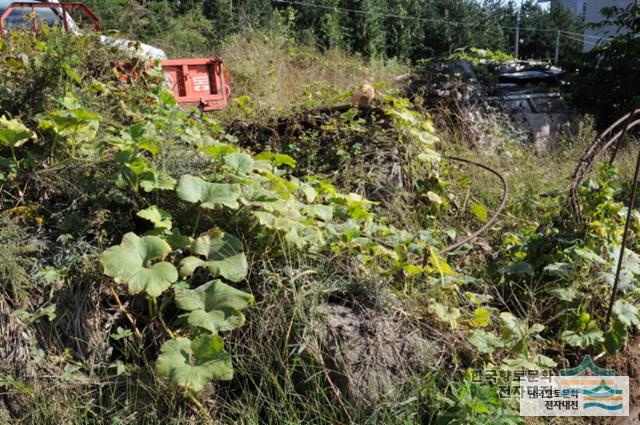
point(201, 83)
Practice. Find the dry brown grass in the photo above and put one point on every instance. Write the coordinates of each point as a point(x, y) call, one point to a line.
point(278, 76)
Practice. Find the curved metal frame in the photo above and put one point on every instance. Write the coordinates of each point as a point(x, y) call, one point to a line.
point(612, 136)
point(64, 7)
point(494, 217)
point(605, 140)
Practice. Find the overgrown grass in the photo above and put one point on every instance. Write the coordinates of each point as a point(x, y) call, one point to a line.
point(85, 368)
point(272, 76)
point(85, 365)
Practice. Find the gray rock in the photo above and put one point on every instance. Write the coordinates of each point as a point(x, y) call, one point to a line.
point(371, 355)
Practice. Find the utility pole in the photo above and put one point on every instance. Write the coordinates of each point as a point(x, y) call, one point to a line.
point(635, 18)
point(517, 53)
point(557, 47)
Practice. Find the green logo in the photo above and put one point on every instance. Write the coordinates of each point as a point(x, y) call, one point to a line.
point(587, 364)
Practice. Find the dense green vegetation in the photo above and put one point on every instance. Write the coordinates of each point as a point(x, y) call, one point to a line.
point(163, 266)
point(374, 30)
point(614, 66)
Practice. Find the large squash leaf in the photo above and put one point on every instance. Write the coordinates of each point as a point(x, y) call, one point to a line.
point(193, 364)
point(208, 195)
point(160, 218)
point(583, 339)
point(214, 306)
point(630, 268)
point(223, 255)
point(517, 332)
point(13, 133)
point(77, 124)
point(152, 180)
point(130, 261)
point(446, 313)
point(626, 312)
point(240, 162)
point(277, 158)
point(485, 342)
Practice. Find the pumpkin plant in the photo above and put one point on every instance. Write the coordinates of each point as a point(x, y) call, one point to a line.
point(214, 306)
point(309, 214)
point(193, 364)
point(141, 263)
point(131, 263)
point(13, 134)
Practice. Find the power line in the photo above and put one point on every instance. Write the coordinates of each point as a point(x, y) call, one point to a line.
point(405, 17)
point(585, 41)
point(565, 33)
point(568, 37)
point(586, 35)
point(589, 42)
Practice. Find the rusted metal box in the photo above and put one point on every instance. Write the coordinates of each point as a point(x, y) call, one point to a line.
point(197, 83)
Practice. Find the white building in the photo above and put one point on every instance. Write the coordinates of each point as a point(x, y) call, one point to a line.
point(593, 15)
point(590, 9)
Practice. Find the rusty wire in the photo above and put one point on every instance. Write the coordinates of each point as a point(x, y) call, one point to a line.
point(494, 217)
point(605, 140)
point(612, 136)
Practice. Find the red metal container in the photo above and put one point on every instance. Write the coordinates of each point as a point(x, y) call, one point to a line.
point(197, 83)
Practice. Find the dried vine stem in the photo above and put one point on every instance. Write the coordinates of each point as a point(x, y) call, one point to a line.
point(496, 214)
point(124, 311)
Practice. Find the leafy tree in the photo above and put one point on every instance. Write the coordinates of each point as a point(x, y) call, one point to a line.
point(330, 33)
point(222, 14)
point(367, 33)
point(438, 36)
point(493, 36)
point(614, 65)
point(539, 31)
point(403, 29)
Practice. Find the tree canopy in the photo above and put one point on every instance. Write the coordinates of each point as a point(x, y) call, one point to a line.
point(406, 30)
